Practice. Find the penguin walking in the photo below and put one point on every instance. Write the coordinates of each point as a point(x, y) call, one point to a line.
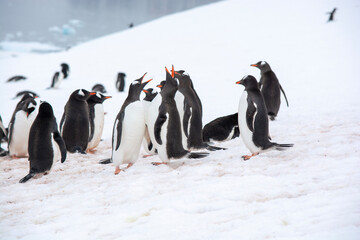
point(3, 137)
point(222, 129)
point(59, 76)
point(96, 119)
point(74, 125)
point(45, 143)
point(166, 134)
point(270, 88)
point(120, 81)
point(19, 126)
point(253, 121)
point(16, 78)
point(151, 103)
point(129, 127)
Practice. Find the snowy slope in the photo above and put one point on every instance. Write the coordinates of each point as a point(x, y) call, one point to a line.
point(308, 192)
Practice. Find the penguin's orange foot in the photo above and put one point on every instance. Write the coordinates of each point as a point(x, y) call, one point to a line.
point(117, 170)
point(145, 156)
point(158, 163)
point(247, 157)
point(92, 151)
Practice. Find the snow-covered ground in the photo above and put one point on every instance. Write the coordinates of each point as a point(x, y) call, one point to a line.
point(311, 191)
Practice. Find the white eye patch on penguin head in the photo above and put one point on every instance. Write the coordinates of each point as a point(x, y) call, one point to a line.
point(81, 93)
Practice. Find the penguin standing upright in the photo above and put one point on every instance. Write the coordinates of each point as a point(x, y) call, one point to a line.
point(222, 128)
point(45, 142)
point(59, 76)
point(167, 132)
point(74, 125)
point(151, 103)
point(253, 121)
point(3, 136)
point(129, 127)
point(96, 119)
point(19, 126)
point(120, 81)
point(270, 88)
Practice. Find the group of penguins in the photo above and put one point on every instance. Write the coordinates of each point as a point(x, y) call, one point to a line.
point(167, 123)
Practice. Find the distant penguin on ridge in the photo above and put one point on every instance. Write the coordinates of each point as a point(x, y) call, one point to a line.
point(16, 78)
point(222, 129)
point(129, 127)
point(59, 76)
point(120, 81)
point(96, 119)
point(45, 143)
point(74, 125)
point(253, 120)
point(270, 88)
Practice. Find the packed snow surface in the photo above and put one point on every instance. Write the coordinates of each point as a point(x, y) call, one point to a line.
point(311, 191)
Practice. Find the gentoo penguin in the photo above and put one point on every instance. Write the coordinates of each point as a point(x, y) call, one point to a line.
point(98, 88)
point(16, 78)
point(222, 129)
point(192, 117)
point(151, 103)
point(19, 126)
point(59, 76)
point(332, 13)
point(270, 88)
point(96, 119)
point(45, 143)
point(120, 81)
point(167, 132)
point(129, 127)
point(253, 121)
point(3, 137)
point(26, 92)
point(74, 125)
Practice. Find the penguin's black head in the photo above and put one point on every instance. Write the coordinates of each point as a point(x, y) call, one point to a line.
point(28, 95)
point(184, 78)
point(28, 105)
point(161, 84)
point(45, 110)
point(65, 69)
point(81, 94)
point(121, 74)
point(97, 98)
point(249, 82)
point(136, 87)
point(262, 65)
point(98, 88)
point(150, 94)
point(171, 84)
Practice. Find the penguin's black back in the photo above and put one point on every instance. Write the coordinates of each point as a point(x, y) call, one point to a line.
point(120, 81)
point(220, 128)
point(270, 89)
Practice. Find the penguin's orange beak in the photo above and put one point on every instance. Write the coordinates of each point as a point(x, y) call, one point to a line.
point(92, 93)
point(167, 70)
point(145, 91)
point(253, 65)
point(148, 80)
point(159, 86)
point(36, 97)
point(107, 97)
point(239, 82)
point(172, 72)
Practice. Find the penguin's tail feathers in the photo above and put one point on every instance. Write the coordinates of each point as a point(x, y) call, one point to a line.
point(213, 148)
point(271, 116)
point(77, 149)
point(282, 147)
point(27, 177)
point(193, 155)
point(105, 161)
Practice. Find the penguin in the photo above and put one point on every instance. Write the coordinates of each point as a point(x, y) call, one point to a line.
point(253, 121)
point(22, 93)
point(59, 76)
point(129, 127)
point(45, 143)
point(167, 133)
point(3, 137)
point(98, 88)
point(19, 126)
point(16, 78)
point(74, 125)
point(192, 116)
point(96, 119)
point(222, 129)
point(270, 88)
point(120, 81)
point(332, 13)
point(151, 100)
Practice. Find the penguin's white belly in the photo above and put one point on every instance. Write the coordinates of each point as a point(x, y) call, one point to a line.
point(20, 134)
point(179, 99)
point(246, 134)
point(59, 80)
point(56, 149)
point(133, 128)
point(98, 126)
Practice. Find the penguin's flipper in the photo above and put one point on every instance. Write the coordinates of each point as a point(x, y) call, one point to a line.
point(282, 90)
point(187, 115)
point(60, 141)
point(157, 128)
point(119, 128)
point(10, 130)
point(92, 124)
point(250, 112)
point(27, 177)
point(62, 122)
